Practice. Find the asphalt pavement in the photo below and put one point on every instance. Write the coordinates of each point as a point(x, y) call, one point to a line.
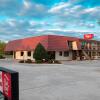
point(72, 80)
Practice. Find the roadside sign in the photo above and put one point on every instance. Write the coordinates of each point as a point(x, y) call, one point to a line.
point(6, 77)
point(9, 84)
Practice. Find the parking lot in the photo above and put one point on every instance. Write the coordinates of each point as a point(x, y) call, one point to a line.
point(73, 80)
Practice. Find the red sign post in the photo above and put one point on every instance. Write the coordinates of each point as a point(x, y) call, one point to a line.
point(88, 36)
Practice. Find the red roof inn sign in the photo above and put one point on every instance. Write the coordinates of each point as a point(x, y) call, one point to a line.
point(5, 84)
point(9, 84)
point(88, 36)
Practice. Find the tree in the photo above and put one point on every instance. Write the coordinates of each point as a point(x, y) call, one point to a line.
point(40, 53)
point(2, 47)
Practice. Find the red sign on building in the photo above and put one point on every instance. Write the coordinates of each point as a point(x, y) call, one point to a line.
point(88, 36)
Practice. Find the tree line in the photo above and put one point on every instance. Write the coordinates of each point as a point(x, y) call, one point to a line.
point(2, 47)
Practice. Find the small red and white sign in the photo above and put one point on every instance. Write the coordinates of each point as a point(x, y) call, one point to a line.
point(88, 36)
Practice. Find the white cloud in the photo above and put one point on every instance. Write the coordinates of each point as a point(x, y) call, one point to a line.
point(91, 10)
point(32, 22)
point(91, 25)
point(11, 22)
point(16, 35)
point(62, 18)
point(77, 7)
point(58, 7)
point(27, 4)
point(32, 10)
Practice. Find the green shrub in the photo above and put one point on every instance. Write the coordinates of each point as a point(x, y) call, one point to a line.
point(21, 61)
point(57, 62)
point(50, 61)
point(2, 47)
point(40, 53)
point(28, 61)
point(39, 61)
point(2, 57)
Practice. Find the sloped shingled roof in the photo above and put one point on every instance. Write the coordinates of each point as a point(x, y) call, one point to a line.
point(50, 42)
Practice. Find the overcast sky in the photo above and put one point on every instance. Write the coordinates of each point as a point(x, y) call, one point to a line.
point(25, 18)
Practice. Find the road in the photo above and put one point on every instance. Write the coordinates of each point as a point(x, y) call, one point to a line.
point(73, 80)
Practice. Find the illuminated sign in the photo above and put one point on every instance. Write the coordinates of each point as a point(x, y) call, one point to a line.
point(88, 36)
point(6, 84)
point(9, 84)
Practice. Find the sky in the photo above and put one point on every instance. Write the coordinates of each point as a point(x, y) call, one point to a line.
point(26, 18)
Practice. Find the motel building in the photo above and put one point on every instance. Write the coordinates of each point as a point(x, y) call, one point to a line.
point(61, 48)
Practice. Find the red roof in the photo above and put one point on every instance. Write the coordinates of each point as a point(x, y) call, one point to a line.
point(50, 42)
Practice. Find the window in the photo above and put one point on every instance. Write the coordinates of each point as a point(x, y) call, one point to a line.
point(29, 53)
point(22, 53)
point(60, 53)
point(66, 54)
point(94, 53)
point(84, 45)
point(70, 44)
point(98, 53)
